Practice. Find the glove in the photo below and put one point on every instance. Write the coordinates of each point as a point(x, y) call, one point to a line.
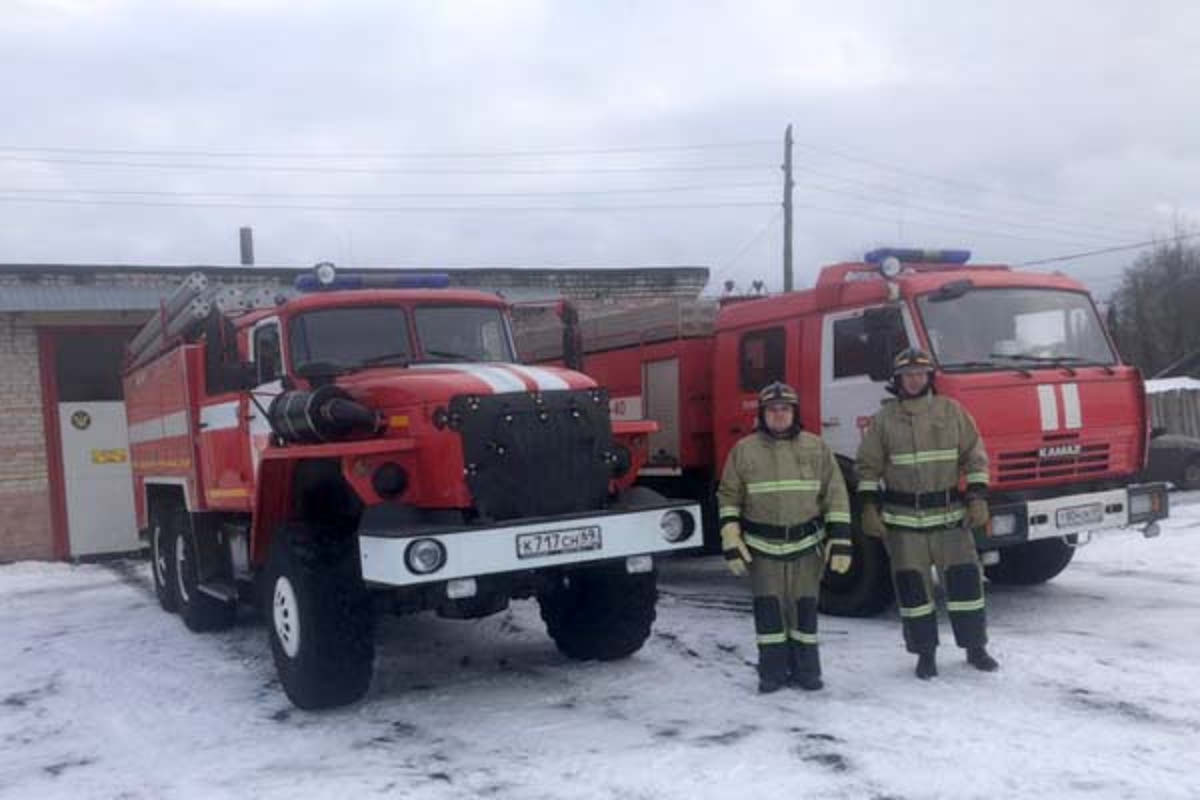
point(977, 513)
point(841, 552)
point(737, 555)
point(872, 521)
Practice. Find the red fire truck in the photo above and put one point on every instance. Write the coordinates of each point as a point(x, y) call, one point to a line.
point(1064, 421)
point(371, 444)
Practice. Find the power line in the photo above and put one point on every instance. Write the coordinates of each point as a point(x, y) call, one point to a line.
point(1106, 250)
point(935, 225)
point(892, 189)
point(904, 205)
point(384, 170)
point(741, 251)
point(978, 187)
point(393, 155)
point(385, 209)
point(390, 195)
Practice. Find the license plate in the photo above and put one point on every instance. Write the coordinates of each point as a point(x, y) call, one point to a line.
point(1079, 515)
point(553, 543)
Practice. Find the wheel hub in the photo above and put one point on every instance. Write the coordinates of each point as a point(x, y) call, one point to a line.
point(181, 563)
point(159, 560)
point(285, 613)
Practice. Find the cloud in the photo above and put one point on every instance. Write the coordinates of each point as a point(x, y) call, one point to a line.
point(1019, 130)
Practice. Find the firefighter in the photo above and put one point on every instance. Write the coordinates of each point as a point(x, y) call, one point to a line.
point(780, 492)
point(909, 465)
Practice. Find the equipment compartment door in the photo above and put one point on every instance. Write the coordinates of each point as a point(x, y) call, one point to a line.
point(660, 380)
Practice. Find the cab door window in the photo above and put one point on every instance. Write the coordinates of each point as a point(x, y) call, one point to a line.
point(864, 344)
point(762, 356)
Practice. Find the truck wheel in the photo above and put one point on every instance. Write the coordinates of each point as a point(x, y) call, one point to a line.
point(319, 618)
point(200, 612)
point(162, 560)
point(601, 613)
point(1189, 476)
point(864, 591)
point(1030, 563)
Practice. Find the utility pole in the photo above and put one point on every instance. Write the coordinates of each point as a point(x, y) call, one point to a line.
point(788, 184)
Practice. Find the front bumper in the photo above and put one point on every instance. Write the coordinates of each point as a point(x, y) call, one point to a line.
point(1014, 523)
point(525, 545)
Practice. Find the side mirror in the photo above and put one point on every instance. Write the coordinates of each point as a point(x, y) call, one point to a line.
point(884, 328)
point(880, 368)
point(241, 375)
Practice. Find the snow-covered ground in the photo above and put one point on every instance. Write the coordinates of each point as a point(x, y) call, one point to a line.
point(103, 695)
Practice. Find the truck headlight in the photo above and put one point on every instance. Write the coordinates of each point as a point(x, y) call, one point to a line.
point(424, 556)
point(1147, 503)
point(676, 526)
point(1141, 505)
point(1004, 524)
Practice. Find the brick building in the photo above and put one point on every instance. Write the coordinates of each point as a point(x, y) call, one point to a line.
point(62, 332)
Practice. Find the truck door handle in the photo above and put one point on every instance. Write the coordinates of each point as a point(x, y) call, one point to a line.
point(832, 422)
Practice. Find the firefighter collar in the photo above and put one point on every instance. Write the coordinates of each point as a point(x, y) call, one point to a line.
point(916, 405)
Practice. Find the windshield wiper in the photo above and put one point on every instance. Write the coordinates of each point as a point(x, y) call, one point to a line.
point(444, 354)
point(321, 369)
point(1081, 361)
point(1063, 362)
point(985, 365)
point(401, 357)
point(967, 364)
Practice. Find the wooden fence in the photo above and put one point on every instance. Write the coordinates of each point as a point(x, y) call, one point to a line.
point(1177, 410)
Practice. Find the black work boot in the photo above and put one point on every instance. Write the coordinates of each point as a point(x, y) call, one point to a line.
point(926, 665)
point(767, 685)
point(979, 658)
point(807, 681)
point(806, 667)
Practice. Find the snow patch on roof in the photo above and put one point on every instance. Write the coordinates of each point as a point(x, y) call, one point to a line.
point(1171, 384)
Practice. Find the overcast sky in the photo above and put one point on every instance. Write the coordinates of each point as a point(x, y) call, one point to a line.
point(594, 134)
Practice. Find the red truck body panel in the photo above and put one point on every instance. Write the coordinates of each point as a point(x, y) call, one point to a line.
point(1099, 423)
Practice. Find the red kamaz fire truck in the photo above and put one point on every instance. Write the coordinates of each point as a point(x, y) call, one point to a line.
point(1064, 421)
point(370, 445)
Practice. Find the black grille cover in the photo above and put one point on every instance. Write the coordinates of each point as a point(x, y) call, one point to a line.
point(535, 454)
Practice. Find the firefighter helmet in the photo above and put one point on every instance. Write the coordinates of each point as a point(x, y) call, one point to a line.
point(911, 359)
point(777, 392)
point(907, 362)
point(774, 394)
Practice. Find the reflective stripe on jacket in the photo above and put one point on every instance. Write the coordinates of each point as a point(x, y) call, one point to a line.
point(783, 482)
point(921, 445)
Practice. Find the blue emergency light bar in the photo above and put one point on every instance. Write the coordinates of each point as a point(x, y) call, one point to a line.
point(911, 255)
point(411, 280)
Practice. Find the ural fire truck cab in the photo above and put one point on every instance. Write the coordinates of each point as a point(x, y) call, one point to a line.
point(1064, 421)
point(363, 447)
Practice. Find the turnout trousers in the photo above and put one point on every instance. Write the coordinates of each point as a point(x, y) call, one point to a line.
point(785, 613)
point(952, 551)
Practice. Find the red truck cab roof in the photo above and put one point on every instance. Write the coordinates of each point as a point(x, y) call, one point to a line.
point(851, 284)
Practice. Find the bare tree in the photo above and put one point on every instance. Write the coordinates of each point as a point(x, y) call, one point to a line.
point(1153, 314)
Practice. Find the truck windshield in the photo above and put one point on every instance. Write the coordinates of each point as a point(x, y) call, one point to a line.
point(463, 333)
point(984, 328)
point(337, 339)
